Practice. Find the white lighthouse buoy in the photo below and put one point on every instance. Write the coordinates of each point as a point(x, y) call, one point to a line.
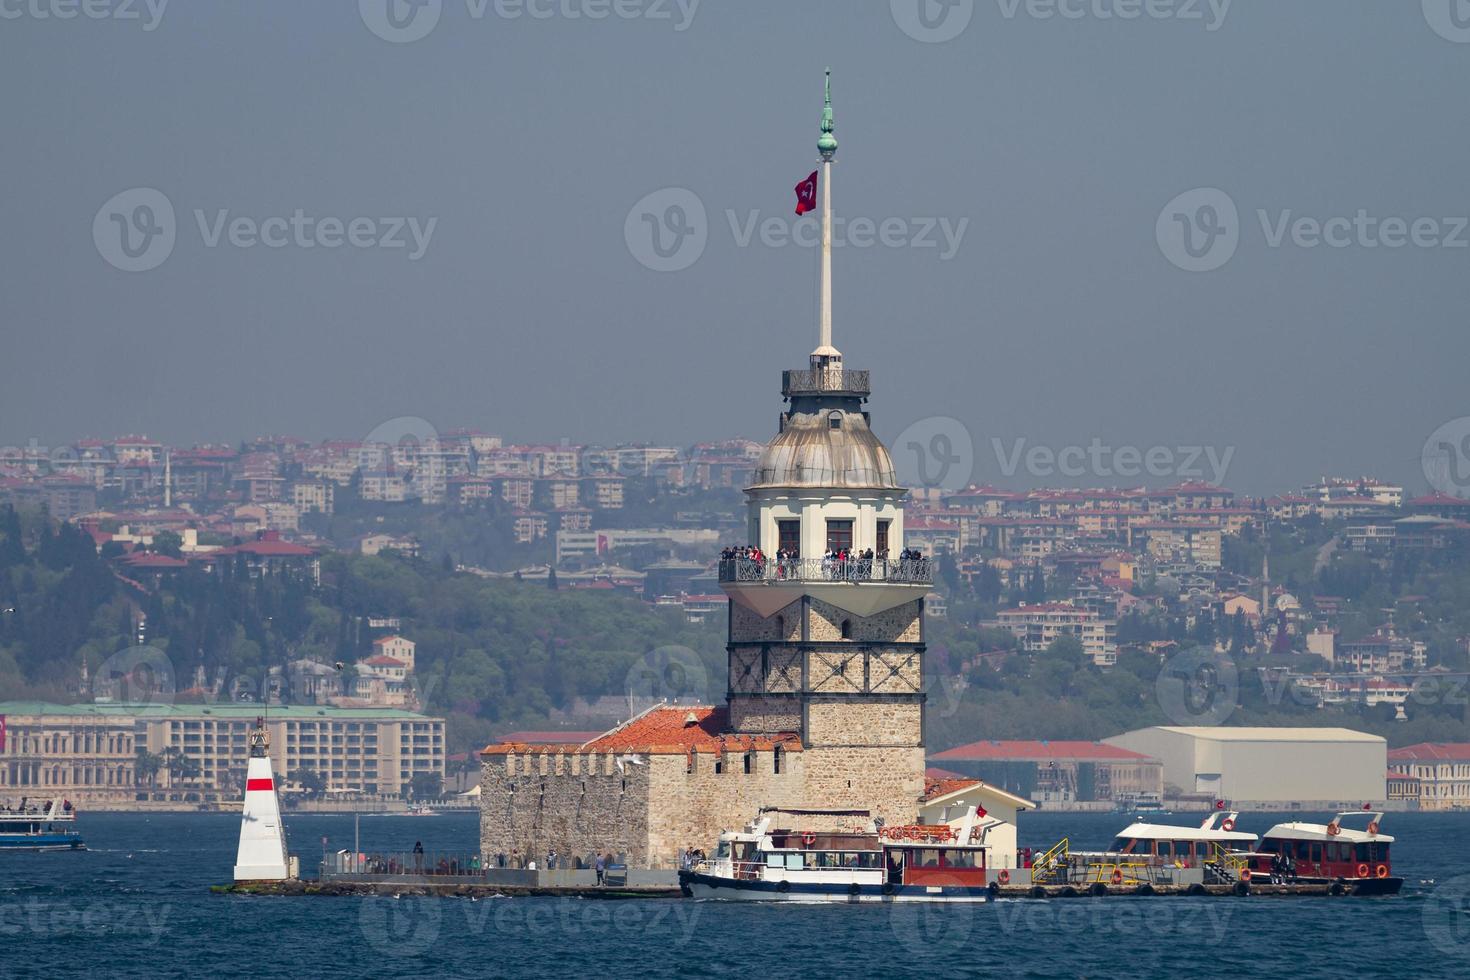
point(262, 854)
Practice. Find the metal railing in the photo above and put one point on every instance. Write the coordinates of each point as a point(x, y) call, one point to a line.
point(909, 571)
point(427, 863)
point(1053, 861)
point(835, 381)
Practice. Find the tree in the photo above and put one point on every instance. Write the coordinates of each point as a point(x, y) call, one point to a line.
point(146, 766)
point(426, 786)
point(168, 543)
point(179, 765)
point(311, 782)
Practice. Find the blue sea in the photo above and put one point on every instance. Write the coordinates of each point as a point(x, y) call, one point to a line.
point(138, 905)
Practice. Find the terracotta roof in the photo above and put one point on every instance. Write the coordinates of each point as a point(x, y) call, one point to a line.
point(1040, 751)
point(1432, 752)
point(384, 661)
point(668, 730)
point(943, 787)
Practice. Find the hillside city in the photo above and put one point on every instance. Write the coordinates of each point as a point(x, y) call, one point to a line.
point(434, 575)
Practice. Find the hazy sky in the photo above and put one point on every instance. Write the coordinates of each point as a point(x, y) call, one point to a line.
point(519, 140)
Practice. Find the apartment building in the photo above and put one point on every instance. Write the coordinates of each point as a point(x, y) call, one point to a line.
point(88, 752)
point(1037, 626)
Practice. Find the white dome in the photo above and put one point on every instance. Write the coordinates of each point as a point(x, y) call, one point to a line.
point(830, 448)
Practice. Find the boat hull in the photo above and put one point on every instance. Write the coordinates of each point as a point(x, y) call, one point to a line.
point(41, 842)
point(705, 886)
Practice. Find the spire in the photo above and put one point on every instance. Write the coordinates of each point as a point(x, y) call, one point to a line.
point(826, 357)
point(827, 143)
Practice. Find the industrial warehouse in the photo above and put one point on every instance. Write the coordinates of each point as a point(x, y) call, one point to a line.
point(1313, 767)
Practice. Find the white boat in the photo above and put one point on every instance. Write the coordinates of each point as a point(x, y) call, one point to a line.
point(39, 825)
point(916, 863)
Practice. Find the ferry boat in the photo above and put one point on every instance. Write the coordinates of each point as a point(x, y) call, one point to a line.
point(1146, 853)
point(916, 863)
point(39, 826)
point(1356, 860)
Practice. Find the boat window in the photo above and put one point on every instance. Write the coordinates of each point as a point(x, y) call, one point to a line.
point(775, 860)
point(928, 857)
point(1269, 846)
point(724, 849)
point(1165, 848)
point(795, 862)
point(1316, 853)
point(962, 859)
point(1303, 850)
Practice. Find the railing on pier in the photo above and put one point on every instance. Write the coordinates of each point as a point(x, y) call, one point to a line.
point(436, 864)
point(1052, 863)
point(907, 571)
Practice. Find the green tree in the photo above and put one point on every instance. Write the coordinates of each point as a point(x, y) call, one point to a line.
point(312, 783)
point(146, 766)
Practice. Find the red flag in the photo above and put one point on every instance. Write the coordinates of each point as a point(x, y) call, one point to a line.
point(2, 733)
point(806, 194)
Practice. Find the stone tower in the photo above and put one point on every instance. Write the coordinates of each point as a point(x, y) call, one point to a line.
point(832, 650)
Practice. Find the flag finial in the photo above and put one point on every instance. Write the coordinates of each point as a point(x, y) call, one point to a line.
point(827, 143)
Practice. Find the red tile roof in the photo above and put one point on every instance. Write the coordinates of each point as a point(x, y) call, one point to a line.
point(1038, 751)
point(943, 787)
point(1432, 752)
point(384, 661)
point(669, 730)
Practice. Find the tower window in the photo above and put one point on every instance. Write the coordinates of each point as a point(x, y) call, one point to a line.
point(847, 629)
point(839, 535)
point(834, 421)
point(776, 760)
point(881, 542)
point(788, 536)
point(749, 763)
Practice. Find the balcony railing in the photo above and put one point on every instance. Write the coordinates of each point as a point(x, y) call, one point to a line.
point(833, 381)
point(906, 571)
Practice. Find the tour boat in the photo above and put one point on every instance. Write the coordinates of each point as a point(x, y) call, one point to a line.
point(917, 863)
point(1183, 846)
point(1331, 853)
point(40, 826)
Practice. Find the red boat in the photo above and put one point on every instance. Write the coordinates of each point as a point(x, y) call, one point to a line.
point(1356, 860)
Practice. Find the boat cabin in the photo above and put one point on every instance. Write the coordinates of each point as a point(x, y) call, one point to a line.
point(1331, 850)
point(1187, 847)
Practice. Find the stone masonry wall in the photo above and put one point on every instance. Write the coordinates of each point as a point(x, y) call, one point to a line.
point(693, 808)
point(897, 625)
point(848, 723)
point(577, 803)
point(885, 781)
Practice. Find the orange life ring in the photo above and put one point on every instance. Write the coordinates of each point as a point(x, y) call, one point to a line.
point(1227, 825)
point(1382, 871)
point(1117, 876)
point(1362, 871)
point(1245, 874)
point(1373, 826)
point(1333, 829)
point(1004, 877)
point(808, 838)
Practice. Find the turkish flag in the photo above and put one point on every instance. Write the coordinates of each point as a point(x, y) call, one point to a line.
point(2, 733)
point(806, 194)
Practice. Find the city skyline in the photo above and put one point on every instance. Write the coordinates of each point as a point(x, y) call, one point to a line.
point(988, 271)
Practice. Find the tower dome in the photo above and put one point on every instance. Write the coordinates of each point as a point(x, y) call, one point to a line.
point(831, 448)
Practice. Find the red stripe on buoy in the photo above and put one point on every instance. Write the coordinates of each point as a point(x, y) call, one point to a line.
point(254, 784)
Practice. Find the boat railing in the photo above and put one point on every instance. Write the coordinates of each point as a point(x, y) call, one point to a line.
point(1231, 862)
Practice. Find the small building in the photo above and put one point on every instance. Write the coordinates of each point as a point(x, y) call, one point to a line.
point(1057, 771)
point(949, 799)
point(1333, 766)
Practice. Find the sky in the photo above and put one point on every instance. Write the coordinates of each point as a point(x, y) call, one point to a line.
point(1224, 239)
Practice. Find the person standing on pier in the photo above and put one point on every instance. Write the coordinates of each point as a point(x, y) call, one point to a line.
point(601, 866)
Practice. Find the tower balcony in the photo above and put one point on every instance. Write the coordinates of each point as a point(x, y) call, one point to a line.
point(861, 586)
point(825, 381)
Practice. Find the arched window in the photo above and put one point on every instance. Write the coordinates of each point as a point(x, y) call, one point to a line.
point(834, 421)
